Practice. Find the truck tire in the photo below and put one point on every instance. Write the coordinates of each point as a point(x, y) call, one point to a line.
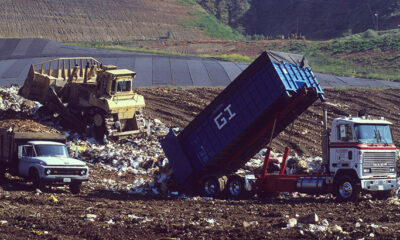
point(75, 188)
point(37, 183)
point(347, 189)
point(236, 187)
point(212, 186)
point(382, 195)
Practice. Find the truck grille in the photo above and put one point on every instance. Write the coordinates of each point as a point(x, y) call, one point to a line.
point(379, 162)
point(65, 171)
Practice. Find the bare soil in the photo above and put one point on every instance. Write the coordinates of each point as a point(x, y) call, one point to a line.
point(28, 214)
point(97, 21)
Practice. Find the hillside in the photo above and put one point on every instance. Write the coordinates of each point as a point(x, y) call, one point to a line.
point(98, 20)
point(318, 19)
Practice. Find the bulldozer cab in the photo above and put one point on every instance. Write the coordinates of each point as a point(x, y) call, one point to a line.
point(116, 82)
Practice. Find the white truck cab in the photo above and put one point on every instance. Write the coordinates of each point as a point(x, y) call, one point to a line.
point(41, 158)
point(362, 156)
point(49, 162)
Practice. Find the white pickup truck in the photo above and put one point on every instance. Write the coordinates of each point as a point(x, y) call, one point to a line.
point(41, 158)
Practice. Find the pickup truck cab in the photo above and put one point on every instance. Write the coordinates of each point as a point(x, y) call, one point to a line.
point(46, 162)
point(41, 158)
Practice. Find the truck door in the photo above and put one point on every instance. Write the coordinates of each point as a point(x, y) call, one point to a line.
point(25, 153)
point(344, 150)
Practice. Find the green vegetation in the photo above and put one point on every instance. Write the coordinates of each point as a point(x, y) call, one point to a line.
point(360, 55)
point(314, 19)
point(118, 47)
point(187, 2)
point(211, 26)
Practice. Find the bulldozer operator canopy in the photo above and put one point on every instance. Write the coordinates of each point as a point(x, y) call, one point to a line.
point(121, 72)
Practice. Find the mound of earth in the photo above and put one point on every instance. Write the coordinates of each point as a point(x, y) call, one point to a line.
point(97, 21)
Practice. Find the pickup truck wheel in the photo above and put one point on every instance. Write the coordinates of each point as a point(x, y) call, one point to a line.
point(75, 188)
point(212, 186)
point(37, 183)
point(382, 195)
point(236, 188)
point(347, 189)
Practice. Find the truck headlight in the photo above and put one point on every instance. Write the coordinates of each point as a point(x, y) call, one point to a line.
point(367, 170)
point(392, 170)
point(83, 172)
point(48, 172)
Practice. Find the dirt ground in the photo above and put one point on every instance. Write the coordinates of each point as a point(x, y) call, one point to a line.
point(100, 212)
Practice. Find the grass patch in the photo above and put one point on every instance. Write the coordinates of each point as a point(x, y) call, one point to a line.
point(110, 46)
point(187, 2)
point(211, 26)
point(370, 54)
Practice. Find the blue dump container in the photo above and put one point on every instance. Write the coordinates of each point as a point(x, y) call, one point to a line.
point(266, 97)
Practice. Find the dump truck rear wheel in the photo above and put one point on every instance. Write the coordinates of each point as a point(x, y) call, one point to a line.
point(236, 187)
point(212, 186)
point(347, 189)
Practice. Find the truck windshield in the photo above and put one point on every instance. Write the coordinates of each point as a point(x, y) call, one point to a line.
point(51, 150)
point(372, 133)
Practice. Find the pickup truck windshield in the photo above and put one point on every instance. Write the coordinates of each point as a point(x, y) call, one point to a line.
point(373, 134)
point(51, 150)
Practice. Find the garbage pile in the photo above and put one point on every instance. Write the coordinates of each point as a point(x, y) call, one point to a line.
point(14, 106)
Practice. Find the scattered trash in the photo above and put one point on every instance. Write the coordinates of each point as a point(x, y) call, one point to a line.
point(312, 218)
point(53, 198)
point(90, 217)
point(292, 223)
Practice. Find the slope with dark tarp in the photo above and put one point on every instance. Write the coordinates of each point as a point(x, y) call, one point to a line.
point(16, 55)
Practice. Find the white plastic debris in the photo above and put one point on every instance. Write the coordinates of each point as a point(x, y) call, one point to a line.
point(90, 217)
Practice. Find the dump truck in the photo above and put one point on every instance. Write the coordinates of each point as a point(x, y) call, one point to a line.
point(250, 112)
point(83, 93)
point(41, 158)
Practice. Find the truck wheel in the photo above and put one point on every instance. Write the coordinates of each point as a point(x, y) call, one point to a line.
point(382, 195)
point(37, 183)
point(347, 189)
point(212, 186)
point(236, 188)
point(75, 188)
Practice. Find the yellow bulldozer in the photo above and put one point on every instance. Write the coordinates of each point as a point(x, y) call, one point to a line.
point(85, 94)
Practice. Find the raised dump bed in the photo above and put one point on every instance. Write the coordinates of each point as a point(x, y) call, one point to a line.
point(266, 97)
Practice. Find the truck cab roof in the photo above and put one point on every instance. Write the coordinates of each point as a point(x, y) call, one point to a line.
point(361, 120)
point(45, 143)
point(121, 72)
